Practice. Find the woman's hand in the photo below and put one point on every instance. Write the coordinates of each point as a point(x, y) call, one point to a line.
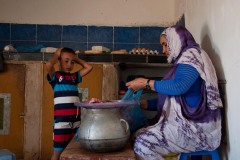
point(137, 84)
point(143, 104)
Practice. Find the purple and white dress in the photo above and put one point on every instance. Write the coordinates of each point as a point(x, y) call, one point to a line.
point(181, 128)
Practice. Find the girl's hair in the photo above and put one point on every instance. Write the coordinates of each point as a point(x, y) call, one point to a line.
point(66, 50)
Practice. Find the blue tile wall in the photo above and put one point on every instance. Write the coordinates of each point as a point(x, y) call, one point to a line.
point(150, 34)
point(5, 32)
point(126, 34)
point(26, 32)
point(102, 36)
point(79, 37)
point(49, 33)
point(74, 34)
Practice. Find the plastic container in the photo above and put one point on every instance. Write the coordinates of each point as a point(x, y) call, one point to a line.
point(9, 48)
point(7, 155)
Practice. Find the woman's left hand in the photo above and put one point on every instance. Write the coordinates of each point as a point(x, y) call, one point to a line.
point(137, 84)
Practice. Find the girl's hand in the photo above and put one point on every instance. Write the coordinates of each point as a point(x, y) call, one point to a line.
point(58, 52)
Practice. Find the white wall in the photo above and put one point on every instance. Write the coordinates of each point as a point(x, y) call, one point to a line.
point(215, 24)
point(91, 12)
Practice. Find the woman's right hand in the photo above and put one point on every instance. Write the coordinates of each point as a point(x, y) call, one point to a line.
point(137, 84)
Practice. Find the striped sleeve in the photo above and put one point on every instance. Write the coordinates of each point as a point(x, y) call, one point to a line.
point(184, 78)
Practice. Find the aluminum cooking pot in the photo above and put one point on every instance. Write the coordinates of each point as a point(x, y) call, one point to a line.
point(102, 127)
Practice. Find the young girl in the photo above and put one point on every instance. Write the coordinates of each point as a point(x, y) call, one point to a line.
point(64, 84)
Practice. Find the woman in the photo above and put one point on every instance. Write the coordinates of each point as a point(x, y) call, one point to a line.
point(189, 102)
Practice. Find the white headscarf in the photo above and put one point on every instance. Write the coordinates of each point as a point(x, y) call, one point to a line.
point(173, 43)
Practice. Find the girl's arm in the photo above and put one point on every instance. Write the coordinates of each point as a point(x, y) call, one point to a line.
point(86, 66)
point(52, 61)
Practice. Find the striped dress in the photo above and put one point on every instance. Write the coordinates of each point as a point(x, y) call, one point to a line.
point(66, 114)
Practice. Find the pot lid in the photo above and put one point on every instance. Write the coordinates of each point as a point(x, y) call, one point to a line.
point(107, 104)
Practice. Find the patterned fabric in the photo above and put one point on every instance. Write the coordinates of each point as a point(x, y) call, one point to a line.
point(181, 128)
point(66, 114)
point(207, 72)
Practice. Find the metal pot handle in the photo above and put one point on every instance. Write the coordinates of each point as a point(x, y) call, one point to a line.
point(126, 123)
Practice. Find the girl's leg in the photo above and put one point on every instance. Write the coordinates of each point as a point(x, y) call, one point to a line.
point(56, 155)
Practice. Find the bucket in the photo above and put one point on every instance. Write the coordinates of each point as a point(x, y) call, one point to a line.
point(7, 155)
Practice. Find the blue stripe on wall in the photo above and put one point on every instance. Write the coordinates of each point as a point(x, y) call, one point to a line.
point(80, 37)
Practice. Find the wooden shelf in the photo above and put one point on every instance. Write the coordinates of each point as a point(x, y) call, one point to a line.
point(120, 58)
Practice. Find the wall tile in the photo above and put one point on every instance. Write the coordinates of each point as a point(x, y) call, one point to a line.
point(3, 43)
point(150, 34)
point(25, 46)
point(23, 32)
point(80, 37)
point(100, 34)
point(23, 43)
point(75, 45)
point(49, 32)
point(126, 34)
point(4, 31)
point(74, 33)
point(50, 44)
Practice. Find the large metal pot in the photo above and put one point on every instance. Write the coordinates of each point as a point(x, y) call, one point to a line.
point(102, 127)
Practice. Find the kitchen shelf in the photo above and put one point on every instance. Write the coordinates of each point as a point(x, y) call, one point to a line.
point(124, 58)
point(120, 58)
point(129, 65)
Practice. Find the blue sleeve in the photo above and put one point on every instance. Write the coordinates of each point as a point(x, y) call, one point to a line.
point(184, 78)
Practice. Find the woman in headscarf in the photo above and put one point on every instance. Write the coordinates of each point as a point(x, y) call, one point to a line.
point(189, 103)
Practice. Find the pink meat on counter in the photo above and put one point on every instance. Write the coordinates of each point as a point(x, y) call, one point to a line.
point(95, 100)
